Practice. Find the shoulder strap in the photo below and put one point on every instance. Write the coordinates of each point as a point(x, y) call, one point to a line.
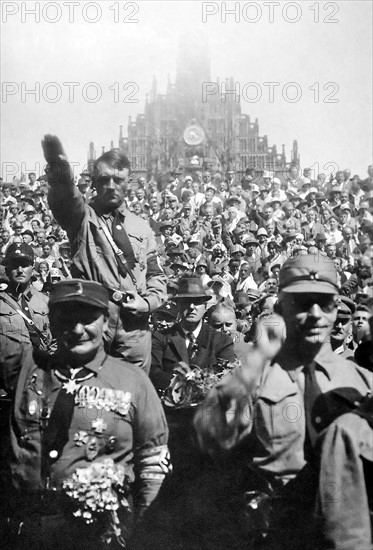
point(118, 253)
point(30, 324)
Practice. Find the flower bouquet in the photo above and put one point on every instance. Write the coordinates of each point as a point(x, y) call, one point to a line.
point(191, 383)
point(96, 493)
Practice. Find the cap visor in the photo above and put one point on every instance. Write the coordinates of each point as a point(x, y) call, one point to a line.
point(79, 299)
point(317, 287)
point(181, 296)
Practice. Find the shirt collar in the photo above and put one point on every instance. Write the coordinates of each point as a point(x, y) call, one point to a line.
point(195, 332)
point(325, 359)
point(95, 365)
point(122, 209)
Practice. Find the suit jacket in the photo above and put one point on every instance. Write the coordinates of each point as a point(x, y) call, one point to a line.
point(169, 348)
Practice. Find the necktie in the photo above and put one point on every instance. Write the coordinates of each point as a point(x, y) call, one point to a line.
point(311, 392)
point(192, 348)
point(122, 241)
point(56, 433)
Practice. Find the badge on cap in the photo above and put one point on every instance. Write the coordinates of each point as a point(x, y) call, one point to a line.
point(314, 276)
point(79, 288)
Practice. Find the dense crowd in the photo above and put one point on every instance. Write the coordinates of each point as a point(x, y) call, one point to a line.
point(229, 294)
point(234, 235)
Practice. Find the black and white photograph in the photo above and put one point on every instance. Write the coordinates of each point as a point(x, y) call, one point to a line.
point(186, 275)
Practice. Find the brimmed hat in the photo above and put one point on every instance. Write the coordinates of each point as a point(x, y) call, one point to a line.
point(308, 273)
point(180, 263)
point(262, 231)
point(290, 234)
point(191, 287)
point(233, 198)
point(16, 251)
point(238, 248)
point(249, 239)
point(81, 291)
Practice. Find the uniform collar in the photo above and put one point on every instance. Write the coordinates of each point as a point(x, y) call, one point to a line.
point(122, 209)
point(94, 366)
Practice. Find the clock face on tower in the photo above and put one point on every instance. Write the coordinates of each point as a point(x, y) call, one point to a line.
point(193, 134)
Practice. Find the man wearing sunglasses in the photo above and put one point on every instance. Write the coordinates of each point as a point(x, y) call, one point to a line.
point(296, 414)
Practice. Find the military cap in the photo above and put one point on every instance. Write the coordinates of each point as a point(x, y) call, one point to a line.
point(346, 305)
point(262, 231)
point(29, 208)
point(191, 287)
point(364, 205)
point(168, 309)
point(308, 273)
point(165, 223)
point(79, 290)
point(16, 251)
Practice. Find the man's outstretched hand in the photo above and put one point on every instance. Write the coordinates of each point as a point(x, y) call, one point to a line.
point(58, 169)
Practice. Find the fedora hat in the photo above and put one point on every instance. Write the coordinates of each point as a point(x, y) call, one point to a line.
point(191, 287)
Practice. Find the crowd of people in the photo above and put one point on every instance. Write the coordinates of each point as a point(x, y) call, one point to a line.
point(213, 286)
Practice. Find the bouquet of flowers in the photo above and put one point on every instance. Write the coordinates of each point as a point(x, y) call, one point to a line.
point(191, 383)
point(97, 493)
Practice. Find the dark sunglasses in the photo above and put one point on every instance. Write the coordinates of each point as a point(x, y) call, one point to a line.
point(19, 262)
point(304, 302)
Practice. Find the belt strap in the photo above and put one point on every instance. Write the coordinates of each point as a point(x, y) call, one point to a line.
point(30, 324)
point(122, 263)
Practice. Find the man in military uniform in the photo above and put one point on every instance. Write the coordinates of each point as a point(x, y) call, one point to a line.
point(71, 410)
point(110, 245)
point(23, 309)
point(297, 415)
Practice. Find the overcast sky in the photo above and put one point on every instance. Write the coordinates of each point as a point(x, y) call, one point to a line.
point(248, 46)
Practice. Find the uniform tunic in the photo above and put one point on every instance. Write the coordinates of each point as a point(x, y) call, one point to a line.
point(267, 419)
point(94, 259)
point(117, 414)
